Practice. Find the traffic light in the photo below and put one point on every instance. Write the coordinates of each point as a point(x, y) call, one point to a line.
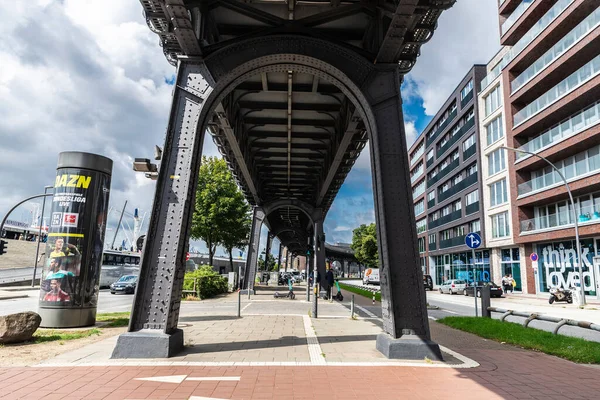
point(3, 244)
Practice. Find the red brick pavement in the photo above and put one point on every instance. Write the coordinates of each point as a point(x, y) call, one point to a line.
point(505, 372)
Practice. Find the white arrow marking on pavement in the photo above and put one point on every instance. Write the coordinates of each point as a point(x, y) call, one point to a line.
point(166, 379)
point(181, 378)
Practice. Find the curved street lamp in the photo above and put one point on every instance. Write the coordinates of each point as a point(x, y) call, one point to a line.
point(579, 259)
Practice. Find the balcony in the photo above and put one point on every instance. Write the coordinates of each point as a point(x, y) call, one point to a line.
point(572, 168)
point(432, 246)
point(462, 185)
point(443, 126)
point(587, 215)
point(430, 203)
point(573, 125)
point(429, 162)
point(516, 14)
point(461, 132)
point(417, 175)
point(469, 152)
point(446, 219)
point(455, 241)
point(472, 208)
point(466, 100)
point(443, 172)
point(568, 85)
point(577, 34)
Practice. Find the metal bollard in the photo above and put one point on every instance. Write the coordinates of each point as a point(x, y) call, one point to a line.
point(485, 302)
point(239, 306)
point(352, 307)
point(373, 298)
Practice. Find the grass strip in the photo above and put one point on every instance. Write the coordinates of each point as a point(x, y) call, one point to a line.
point(361, 291)
point(569, 348)
point(114, 319)
point(52, 335)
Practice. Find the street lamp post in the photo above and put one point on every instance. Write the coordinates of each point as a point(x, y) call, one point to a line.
point(37, 251)
point(574, 213)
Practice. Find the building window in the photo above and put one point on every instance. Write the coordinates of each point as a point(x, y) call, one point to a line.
point(417, 153)
point(419, 189)
point(475, 226)
point(469, 142)
point(432, 238)
point(493, 101)
point(471, 114)
point(466, 90)
point(494, 130)
point(431, 195)
point(446, 211)
point(496, 162)
point(587, 209)
point(421, 225)
point(472, 169)
point(457, 205)
point(510, 264)
point(500, 226)
point(419, 207)
point(498, 193)
point(421, 245)
point(457, 179)
point(472, 197)
point(430, 155)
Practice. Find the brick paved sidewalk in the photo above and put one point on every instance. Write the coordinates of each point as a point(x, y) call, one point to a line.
point(505, 372)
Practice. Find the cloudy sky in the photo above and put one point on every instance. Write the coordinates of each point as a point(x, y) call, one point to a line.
point(88, 75)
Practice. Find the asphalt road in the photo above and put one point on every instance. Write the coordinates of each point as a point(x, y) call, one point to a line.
point(106, 302)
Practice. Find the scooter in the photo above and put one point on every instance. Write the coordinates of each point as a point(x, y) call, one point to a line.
point(289, 295)
point(558, 294)
point(338, 296)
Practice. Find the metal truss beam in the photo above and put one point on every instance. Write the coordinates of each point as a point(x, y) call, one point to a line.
point(258, 105)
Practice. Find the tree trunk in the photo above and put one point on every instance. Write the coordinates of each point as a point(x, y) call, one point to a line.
point(231, 258)
point(211, 252)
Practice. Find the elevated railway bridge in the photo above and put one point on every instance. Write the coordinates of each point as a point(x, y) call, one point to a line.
point(290, 91)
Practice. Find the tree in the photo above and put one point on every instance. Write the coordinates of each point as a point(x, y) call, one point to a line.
point(364, 244)
point(221, 214)
point(271, 263)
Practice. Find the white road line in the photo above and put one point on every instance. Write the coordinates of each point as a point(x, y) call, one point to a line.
point(181, 378)
point(369, 313)
point(314, 349)
point(432, 318)
point(246, 306)
point(448, 311)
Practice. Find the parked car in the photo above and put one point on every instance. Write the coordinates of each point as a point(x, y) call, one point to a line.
point(371, 276)
point(453, 286)
point(126, 284)
point(428, 282)
point(495, 290)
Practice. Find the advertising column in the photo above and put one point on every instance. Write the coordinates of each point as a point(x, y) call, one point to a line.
point(71, 273)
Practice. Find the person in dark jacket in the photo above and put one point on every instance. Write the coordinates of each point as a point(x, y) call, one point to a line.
point(329, 279)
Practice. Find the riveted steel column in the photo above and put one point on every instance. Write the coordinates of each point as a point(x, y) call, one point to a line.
point(268, 249)
point(279, 257)
point(153, 329)
point(252, 260)
point(318, 261)
point(403, 300)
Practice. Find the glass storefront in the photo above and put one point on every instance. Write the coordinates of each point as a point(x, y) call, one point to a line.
point(511, 265)
point(460, 266)
point(558, 265)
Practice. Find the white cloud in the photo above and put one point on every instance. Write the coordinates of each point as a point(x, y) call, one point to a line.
point(467, 34)
point(410, 131)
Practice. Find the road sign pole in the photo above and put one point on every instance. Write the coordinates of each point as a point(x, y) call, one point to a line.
point(474, 282)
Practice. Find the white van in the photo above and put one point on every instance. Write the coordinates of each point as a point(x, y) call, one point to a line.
point(371, 276)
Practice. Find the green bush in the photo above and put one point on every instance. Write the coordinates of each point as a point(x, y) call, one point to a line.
point(207, 282)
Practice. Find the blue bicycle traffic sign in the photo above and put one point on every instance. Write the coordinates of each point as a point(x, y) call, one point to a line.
point(473, 240)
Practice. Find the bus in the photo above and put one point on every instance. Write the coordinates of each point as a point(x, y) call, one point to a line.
point(116, 264)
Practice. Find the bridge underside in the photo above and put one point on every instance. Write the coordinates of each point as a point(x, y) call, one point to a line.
point(290, 92)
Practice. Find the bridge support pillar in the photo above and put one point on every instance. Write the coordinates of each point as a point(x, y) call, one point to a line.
point(252, 260)
point(318, 264)
point(153, 331)
point(403, 300)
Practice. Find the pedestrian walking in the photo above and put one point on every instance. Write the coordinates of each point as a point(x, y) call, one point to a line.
point(506, 285)
point(329, 278)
